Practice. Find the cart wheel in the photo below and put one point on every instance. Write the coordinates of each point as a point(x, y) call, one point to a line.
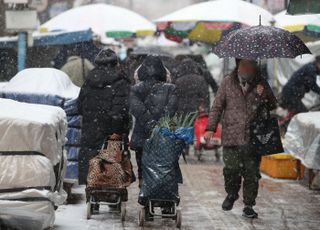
point(178, 219)
point(142, 215)
point(89, 210)
point(123, 212)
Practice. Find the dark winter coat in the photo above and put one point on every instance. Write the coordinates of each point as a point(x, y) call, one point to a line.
point(301, 82)
point(150, 100)
point(237, 109)
point(192, 88)
point(103, 100)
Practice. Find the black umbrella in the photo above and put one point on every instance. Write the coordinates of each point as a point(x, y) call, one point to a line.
point(260, 42)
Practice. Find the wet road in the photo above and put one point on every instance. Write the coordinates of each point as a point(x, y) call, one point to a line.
point(281, 204)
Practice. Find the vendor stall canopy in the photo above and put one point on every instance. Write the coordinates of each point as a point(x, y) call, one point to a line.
point(304, 7)
point(208, 21)
point(307, 27)
point(106, 21)
point(50, 38)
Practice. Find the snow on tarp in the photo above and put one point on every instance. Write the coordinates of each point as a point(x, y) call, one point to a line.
point(302, 139)
point(51, 38)
point(21, 215)
point(43, 81)
point(31, 127)
point(3, 84)
point(101, 18)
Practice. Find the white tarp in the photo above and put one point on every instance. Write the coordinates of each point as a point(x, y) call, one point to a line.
point(302, 139)
point(43, 81)
point(101, 18)
point(3, 84)
point(221, 11)
point(31, 127)
point(26, 171)
point(33, 215)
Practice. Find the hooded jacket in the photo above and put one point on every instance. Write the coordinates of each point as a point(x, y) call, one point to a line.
point(150, 99)
point(103, 99)
point(301, 82)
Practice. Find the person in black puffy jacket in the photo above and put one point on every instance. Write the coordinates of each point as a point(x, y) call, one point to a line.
point(150, 99)
point(103, 103)
point(192, 88)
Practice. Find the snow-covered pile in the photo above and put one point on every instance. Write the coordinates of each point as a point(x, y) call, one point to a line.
point(50, 86)
point(302, 139)
point(32, 163)
point(44, 81)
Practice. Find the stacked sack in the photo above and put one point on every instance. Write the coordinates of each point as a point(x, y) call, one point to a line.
point(32, 164)
point(51, 87)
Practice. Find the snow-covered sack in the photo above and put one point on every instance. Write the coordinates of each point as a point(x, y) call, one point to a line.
point(50, 86)
point(32, 163)
point(302, 139)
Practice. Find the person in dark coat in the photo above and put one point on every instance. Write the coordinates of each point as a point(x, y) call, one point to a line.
point(301, 82)
point(236, 104)
point(204, 69)
point(150, 99)
point(192, 88)
point(103, 103)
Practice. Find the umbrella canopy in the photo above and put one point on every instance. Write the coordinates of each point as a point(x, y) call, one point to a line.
point(105, 21)
point(302, 25)
point(304, 7)
point(260, 42)
point(208, 21)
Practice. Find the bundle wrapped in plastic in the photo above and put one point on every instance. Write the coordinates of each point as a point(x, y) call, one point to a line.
point(32, 163)
point(161, 173)
point(110, 169)
point(53, 87)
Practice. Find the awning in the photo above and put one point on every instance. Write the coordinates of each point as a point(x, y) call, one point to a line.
point(52, 38)
point(304, 7)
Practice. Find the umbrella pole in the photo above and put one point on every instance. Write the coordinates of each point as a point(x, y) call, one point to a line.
point(260, 20)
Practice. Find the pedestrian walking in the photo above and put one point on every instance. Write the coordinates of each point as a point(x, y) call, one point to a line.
point(237, 103)
point(150, 99)
point(77, 69)
point(103, 103)
point(301, 82)
point(192, 88)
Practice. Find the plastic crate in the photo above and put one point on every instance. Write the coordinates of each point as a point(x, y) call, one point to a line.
point(282, 166)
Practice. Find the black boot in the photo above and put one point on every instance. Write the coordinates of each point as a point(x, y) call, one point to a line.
point(249, 212)
point(227, 204)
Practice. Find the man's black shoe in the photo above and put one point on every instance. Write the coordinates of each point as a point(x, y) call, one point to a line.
point(227, 204)
point(248, 212)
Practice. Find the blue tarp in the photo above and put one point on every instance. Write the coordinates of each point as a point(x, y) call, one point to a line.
point(52, 38)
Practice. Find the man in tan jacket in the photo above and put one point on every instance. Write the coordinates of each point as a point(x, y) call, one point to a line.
point(77, 69)
point(236, 103)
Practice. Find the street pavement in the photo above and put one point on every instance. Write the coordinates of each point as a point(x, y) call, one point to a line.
point(282, 204)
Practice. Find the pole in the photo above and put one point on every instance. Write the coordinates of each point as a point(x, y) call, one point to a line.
point(22, 50)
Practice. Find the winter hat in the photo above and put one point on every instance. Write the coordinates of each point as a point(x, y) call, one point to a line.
point(106, 57)
point(152, 67)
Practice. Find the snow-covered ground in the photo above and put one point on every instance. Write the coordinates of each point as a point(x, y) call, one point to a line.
point(282, 204)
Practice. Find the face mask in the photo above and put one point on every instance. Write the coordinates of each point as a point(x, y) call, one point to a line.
point(245, 78)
